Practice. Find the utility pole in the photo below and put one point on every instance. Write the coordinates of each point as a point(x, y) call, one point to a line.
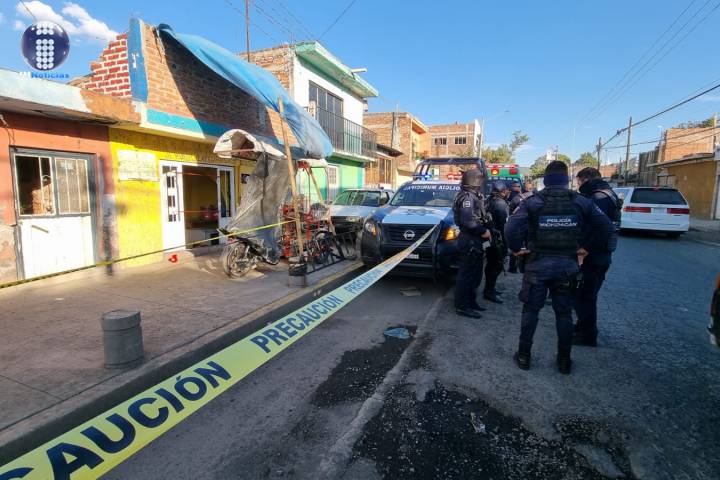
point(715, 137)
point(627, 151)
point(599, 152)
point(482, 136)
point(247, 29)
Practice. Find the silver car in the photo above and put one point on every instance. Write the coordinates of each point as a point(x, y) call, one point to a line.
point(349, 210)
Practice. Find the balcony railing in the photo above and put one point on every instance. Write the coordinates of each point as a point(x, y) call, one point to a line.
point(346, 136)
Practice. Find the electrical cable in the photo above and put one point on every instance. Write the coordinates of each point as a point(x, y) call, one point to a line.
point(642, 74)
point(242, 14)
point(352, 2)
point(657, 40)
point(670, 141)
point(301, 24)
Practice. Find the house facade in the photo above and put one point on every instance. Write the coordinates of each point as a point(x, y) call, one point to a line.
point(456, 139)
point(404, 132)
point(120, 162)
point(336, 96)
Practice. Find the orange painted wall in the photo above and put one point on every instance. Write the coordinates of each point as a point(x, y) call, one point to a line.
point(42, 133)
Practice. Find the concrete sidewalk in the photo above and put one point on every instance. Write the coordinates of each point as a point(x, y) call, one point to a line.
point(707, 231)
point(51, 354)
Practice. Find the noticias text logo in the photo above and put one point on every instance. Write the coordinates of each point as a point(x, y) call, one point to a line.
point(45, 45)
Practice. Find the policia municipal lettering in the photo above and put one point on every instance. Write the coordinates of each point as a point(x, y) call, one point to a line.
point(475, 235)
point(559, 227)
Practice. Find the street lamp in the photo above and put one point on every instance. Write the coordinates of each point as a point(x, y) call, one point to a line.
point(482, 128)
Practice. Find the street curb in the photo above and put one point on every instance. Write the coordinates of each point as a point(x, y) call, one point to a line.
point(42, 427)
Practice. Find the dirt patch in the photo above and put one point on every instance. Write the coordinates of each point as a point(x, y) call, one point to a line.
point(436, 439)
point(360, 372)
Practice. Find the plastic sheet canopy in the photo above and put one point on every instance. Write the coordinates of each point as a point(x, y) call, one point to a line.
point(261, 85)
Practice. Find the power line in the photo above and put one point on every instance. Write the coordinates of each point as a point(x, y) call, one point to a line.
point(637, 62)
point(297, 20)
point(352, 2)
point(671, 139)
point(640, 73)
point(272, 20)
point(242, 14)
point(28, 10)
point(677, 104)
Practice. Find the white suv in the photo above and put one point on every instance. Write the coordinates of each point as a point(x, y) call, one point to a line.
point(659, 209)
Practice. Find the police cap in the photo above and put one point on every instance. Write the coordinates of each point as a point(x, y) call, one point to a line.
point(472, 178)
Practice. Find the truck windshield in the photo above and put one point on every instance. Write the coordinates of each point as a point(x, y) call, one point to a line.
point(433, 195)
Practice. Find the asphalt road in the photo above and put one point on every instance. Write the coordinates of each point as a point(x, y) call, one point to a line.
point(348, 402)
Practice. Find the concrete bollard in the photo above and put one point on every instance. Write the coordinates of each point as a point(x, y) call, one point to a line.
point(122, 338)
point(297, 272)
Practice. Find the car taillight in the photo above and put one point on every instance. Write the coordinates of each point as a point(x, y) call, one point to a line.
point(679, 211)
point(637, 209)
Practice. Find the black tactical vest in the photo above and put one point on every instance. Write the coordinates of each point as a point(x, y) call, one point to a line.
point(555, 229)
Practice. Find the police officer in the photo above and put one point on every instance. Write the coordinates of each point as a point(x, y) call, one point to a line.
point(470, 216)
point(596, 264)
point(497, 207)
point(559, 227)
point(514, 204)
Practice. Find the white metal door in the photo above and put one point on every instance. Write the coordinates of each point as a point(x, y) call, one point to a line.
point(171, 201)
point(333, 182)
point(54, 202)
point(226, 195)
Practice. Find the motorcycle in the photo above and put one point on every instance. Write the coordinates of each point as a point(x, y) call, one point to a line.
point(240, 255)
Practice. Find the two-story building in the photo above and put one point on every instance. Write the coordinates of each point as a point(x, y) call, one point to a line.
point(456, 140)
point(405, 133)
point(335, 95)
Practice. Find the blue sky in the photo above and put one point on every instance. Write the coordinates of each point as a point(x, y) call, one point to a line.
point(547, 63)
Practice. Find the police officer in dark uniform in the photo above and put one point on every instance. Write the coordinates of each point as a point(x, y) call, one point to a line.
point(497, 207)
point(559, 227)
point(471, 218)
point(596, 264)
point(514, 204)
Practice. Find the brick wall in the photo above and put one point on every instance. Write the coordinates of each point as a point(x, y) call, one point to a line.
point(680, 142)
point(409, 142)
point(110, 72)
point(449, 133)
point(277, 60)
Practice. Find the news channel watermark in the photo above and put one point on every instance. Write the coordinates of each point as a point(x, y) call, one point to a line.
point(45, 46)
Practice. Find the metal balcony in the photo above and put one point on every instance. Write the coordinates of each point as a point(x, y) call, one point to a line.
point(346, 136)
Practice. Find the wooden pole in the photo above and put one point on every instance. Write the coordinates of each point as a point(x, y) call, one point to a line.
point(293, 185)
point(320, 197)
point(247, 29)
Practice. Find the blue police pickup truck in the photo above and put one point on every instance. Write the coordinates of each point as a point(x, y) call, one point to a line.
point(416, 207)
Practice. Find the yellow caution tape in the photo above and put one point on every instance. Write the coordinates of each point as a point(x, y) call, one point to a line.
point(99, 445)
point(133, 257)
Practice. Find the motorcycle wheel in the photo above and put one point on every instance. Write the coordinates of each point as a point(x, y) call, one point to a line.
point(236, 260)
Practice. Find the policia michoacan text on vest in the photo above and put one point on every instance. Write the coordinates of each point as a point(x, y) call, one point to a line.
point(555, 229)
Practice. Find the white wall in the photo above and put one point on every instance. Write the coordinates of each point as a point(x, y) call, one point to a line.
point(352, 106)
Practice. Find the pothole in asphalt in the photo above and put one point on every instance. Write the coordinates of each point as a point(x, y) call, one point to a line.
point(435, 438)
point(360, 372)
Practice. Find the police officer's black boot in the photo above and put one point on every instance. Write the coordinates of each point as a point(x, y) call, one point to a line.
point(492, 296)
point(564, 364)
point(522, 357)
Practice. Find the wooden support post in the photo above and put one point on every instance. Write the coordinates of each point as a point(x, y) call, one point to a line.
point(320, 197)
point(293, 185)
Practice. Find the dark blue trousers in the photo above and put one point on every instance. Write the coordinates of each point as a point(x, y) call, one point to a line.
point(593, 276)
point(556, 275)
point(470, 272)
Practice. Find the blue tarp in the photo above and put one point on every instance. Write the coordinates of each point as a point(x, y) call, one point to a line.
point(260, 84)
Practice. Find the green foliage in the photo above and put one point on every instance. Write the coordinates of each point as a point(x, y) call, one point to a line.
point(537, 169)
point(707, 123)
point(505, 153)
point(587, 159)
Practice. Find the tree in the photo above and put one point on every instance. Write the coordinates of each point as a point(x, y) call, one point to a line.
point(537, 169)
point(505, 153)
point(587, 159)
point(707, 123)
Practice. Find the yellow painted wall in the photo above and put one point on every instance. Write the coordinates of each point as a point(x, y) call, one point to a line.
point(697, 182)
point(138, 209)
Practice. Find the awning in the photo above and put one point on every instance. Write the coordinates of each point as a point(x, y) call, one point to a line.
point(261, 85)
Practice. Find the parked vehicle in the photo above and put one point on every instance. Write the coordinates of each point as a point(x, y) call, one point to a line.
point(426, 169)
point(659, 209)
point(415, 208)
point(240, 255)
point(350, 209)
